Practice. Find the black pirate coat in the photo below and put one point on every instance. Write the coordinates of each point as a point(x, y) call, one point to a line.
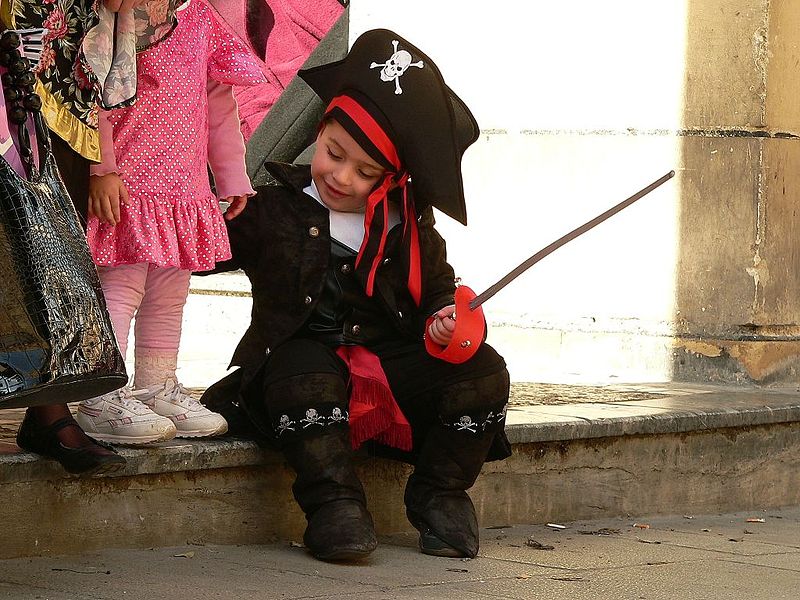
point(282, 242)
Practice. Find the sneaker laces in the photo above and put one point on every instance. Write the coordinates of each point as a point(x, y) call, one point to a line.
point(127, 398)
point(175, 393)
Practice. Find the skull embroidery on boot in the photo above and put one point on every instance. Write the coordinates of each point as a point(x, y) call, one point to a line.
point(466, 423)
point(285, 424)
point(313, 418)
point(337, 416)
point(397, 64)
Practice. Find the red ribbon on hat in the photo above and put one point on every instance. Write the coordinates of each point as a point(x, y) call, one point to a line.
point(378, 196)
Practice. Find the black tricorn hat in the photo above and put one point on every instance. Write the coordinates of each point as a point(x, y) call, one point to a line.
point(428, 123)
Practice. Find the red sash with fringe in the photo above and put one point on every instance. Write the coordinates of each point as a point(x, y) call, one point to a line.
point(374, 413)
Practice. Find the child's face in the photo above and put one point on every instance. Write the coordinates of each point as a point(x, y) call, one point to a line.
point(343, 173)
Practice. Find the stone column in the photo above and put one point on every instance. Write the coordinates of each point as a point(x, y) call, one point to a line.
point(738, 271)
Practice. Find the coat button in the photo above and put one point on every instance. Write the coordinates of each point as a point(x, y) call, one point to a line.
point(355, 329)
point(386, 261)
point(307, 300)
point(400, 313)
point(346, 268)
point(313, 232)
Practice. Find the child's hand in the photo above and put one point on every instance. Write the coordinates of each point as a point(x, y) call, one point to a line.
point(105, 194)
point(236, 206)
point(441, 329)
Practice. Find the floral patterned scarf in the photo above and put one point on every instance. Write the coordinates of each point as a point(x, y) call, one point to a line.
point(89, 59)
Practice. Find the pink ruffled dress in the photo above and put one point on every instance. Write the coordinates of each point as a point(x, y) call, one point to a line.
point(184, 121)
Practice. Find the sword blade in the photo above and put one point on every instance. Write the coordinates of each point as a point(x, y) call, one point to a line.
point(565, 239)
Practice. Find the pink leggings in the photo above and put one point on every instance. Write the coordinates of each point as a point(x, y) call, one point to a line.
point(156, 295)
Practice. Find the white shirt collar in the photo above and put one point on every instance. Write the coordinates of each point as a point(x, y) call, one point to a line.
point(348, 227)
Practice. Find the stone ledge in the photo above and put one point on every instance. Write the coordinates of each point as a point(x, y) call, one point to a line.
point(166, 457)
point(703, 412)
point(667, 409)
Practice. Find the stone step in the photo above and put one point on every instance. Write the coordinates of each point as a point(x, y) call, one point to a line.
point(579, 452)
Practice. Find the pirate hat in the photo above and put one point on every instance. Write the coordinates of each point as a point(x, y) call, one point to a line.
point(403, 90)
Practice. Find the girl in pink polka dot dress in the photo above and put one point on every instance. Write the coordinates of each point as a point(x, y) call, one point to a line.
point(154, 218)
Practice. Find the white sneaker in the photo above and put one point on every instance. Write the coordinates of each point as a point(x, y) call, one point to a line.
point(191, 419)
point(119, 418)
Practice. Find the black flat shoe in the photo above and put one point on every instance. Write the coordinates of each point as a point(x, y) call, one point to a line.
point(93, 458)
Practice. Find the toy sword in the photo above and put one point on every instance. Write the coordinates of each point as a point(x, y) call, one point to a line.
point(471, 325)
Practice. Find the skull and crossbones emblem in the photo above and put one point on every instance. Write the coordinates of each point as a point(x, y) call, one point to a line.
point(336, 415)
point(285, 424)
point(394, 68)
point(466, 423)
point(312, 418)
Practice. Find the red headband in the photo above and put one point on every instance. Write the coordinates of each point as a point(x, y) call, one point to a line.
point(369, 126)
point(378, 137)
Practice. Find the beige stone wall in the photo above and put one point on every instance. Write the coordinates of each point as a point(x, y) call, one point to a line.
point(783, 83)
point(726, 63)
point(738, 284)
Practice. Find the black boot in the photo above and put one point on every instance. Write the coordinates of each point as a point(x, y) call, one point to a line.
point(436, 500)
point(449, 462)
point(328, 490)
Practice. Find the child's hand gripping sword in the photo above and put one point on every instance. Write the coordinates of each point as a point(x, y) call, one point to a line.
point(471, 325)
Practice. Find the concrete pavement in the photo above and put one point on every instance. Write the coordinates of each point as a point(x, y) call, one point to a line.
point(752, 556)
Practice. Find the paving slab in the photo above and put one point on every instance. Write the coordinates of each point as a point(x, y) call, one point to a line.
point(677, 410)
point(700, 580)
point(689, 563)
point(625, 549)
point(665, 408)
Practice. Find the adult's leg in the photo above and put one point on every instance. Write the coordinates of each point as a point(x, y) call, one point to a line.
point(52, 431)
point(123, 288)
point(305, 408)
point(452, 444)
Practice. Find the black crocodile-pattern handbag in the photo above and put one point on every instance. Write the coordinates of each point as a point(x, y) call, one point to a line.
point(57, 343)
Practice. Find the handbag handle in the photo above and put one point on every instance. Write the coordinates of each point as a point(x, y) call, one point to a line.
point(18, 85)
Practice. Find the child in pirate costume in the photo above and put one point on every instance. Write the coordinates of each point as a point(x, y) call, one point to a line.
point(349, 276)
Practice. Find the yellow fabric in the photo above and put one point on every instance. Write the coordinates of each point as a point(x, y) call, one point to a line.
point(5, 14)
point(81, 138)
